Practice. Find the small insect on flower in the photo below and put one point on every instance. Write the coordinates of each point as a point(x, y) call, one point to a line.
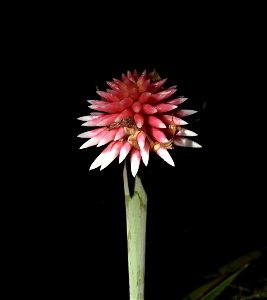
point(136, 115)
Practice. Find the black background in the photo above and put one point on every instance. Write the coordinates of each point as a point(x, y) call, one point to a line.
point(204, 212)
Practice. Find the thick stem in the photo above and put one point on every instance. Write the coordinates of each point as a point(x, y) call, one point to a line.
point(136, 208)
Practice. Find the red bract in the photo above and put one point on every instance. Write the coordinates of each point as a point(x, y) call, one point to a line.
point(136, 115)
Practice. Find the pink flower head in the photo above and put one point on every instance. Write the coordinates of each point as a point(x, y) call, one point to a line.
point(136, 115)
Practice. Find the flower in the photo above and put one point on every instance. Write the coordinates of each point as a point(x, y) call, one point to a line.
point(136, 115)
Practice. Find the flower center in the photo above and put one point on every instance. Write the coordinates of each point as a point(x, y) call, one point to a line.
point(131, 133)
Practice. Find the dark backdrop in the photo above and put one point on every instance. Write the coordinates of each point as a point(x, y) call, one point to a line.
point(202, 213)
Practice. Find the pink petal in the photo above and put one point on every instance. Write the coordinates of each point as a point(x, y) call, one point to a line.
point(149, 109)
point(186, 132)
point(135, 161)
point(125, 79)
point(184, 142)
point(126, 102)
point(141, 79)
point(120, 84)
point(141, 137)
point(114, 93)
point(120, 134)
point(135, 75)
point(111, 155)
point(124, 114)
point(95, 140)
point(134, 93)
point(91, 117)
point(144, 97)
point(139, 120)
point(91, 133)
point(125, 149)
point(130, 76)
point(168, 119)
point(155, 122)
point(111, 92)
point(111, 118)
point(108, 137)
point(177, 101)
point(97, 102)
point(164, 107)
point(100, 159)
point(165, 155)
point(113, 85)
point(109, 108)
point(154, 87)
point(145, 153)
point(162, 95)
point(101, 120)
point(151, 74)
point(85, 118)
point(144, 85)
point(108, 96)
point(136, 107)
point(158, 135)
point(185, 112)
point(96, 113)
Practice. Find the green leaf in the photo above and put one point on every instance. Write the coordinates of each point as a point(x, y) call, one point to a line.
point(222, 286)
point(225, 275)
point(202, 290)
point(136, 209)
point(238, 263)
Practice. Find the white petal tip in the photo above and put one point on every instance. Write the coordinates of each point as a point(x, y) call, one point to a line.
point(134, 173)
point(84, 118)
point(170, 162)
point(195, 145)
point(82, 135)
point(165, 155)
point(184, 142)
point(145, 158)
point(145, 161)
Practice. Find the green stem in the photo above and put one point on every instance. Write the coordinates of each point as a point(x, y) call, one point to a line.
point(136, 208)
